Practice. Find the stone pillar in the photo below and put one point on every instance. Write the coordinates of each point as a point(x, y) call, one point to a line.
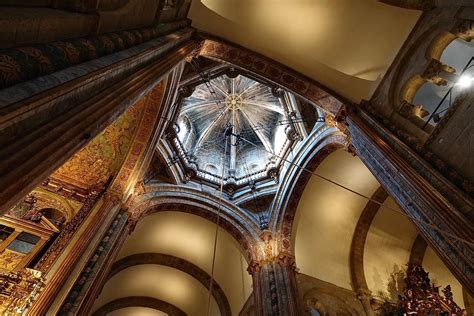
point(438, 209)
point(274, 280)
point(40, 133)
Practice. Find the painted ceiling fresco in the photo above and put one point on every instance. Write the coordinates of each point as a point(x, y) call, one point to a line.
point(104, 155)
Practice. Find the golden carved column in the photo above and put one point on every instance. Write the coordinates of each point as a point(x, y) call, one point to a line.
point(18, 290)
point(63, 271)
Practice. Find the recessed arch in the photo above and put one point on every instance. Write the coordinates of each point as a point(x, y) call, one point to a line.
point(178, 263)
point(241, 225)
point(359, 238)
point(187, 232)
point(438, 45)
point(160, 282)
point(48, 199)
point(326, 217)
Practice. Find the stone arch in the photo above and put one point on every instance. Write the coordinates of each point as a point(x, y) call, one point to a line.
point(241, 225)
point(409, 78)
point(295, 179)
point(139, 301)
point(177, 263)
point(357, 248)
point(438, 45)
point(418, 250)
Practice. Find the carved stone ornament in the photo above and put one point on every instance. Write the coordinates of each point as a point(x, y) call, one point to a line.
point(464, 29)
point(407, 109)
point(433, 71)
point(18, 290)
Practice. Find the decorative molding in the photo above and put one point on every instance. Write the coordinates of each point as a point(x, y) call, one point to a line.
point(103, 213)
point(152, 103)
point(241, 225)
point(437, 219)
point(67, 233)
point(320, 144)
point(387, 128)
point(90, 116)
point(18, 290)
point(85, 281)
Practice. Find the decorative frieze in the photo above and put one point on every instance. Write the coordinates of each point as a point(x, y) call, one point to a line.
point(25, 63)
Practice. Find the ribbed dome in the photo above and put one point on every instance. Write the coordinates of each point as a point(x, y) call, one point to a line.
point(255, 121)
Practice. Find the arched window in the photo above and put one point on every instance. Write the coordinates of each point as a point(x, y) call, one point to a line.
point(55, 216)
point(436, 99)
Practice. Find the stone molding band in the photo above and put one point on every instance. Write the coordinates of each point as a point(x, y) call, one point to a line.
point(223, 50)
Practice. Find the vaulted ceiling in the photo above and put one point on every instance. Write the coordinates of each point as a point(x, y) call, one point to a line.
point(345, 46)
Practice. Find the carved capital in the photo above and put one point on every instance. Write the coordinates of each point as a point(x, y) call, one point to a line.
point(364, 294)
point(254, 267)
point(464, 29)
point(407, 110)
point(286, 259)
point(112, 197)
point(433, 71)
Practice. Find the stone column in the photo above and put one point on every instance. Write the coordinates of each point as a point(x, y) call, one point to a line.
point(40, 133)
point(274, 280)
point(438, 209)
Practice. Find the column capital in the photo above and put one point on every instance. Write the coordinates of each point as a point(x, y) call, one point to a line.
point(113, 197)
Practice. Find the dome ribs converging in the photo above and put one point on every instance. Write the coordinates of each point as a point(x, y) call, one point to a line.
point(237, 123)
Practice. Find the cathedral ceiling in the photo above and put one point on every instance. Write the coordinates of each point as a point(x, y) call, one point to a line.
point(330, 41)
